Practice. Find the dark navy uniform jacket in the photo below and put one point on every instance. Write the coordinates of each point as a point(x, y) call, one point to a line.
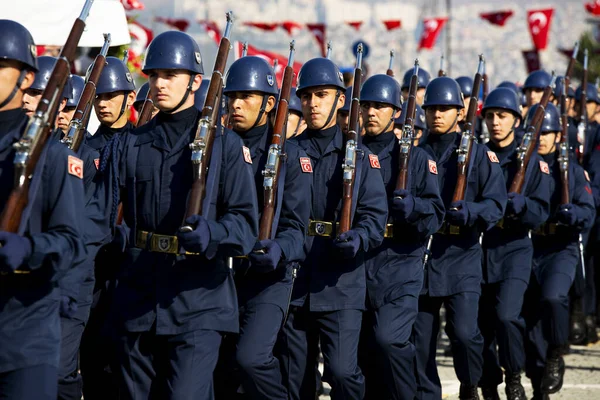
point(395, 268)
point(592, 139)
point(104, 134)
point(507, 246)
point(29, 304)
point(326, 280)
point(179, 293)
point(566, 239)
point(455, 264)
point(274, 287)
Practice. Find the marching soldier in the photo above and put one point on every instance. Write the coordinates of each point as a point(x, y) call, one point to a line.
point(508, 251)
point(329, 293)
point(466, 87)
point(66, 115)
point(176, 296)
point(49, 243)
point(533, 88)
point(295, 124)
point(423, 81)
point(344, 113)
point(454, 274)
point(395, 269)
point(420, 127)
point(546, 307)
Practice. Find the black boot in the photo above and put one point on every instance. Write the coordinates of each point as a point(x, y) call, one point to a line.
point(590, 323)
point(554, 372)
point(490, 393)
point(468, 392)
point(514, 390)
point(578, 334)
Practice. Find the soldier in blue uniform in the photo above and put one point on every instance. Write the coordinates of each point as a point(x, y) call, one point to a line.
point(466, 87)
point(508, 251)
point(264, 281)
point(533, 88)
point(395, 269)
point(295, 124)
point(48, 243)
point(420, 129)
point(344, 113)
point(175, 296)
point(66, 115)
point(422, 82)
point(555, 258)
point(328, 297)
point(453, 276)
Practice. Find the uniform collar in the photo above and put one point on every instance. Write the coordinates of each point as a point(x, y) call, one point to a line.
point(389, 138)
point(256, 139)
point(306, 143)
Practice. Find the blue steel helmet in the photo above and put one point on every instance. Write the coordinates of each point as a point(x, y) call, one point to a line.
point(173, 50)
point(381, 88)
point(443, 91)
point(347, 101)
point(420, 122)
point(141, 95)
point(77, 85)
point(537, 80)
point(115, 77)
point(319, 72)
point(503, 98)
point(423, 80)
point(200, 95)
point(591, 93)
point(466, 85)
point(45, 68)
point(251, 74)
point(17, 44)
point(551, 121)
point(294, 105)
point(508, 84)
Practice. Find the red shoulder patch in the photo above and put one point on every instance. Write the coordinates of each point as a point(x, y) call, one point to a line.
point(306, 165)
point(493, 157)
point(247, 156)
point(374, 160)
point(433, 167)
point(97, 163)
point(544, 167)
point(75, 166)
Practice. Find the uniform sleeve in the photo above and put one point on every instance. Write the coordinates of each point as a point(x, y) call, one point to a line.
point(593, 170)
point(371, 212)
point(428, 213)
point(295, 206)
point(490, 202)
point(236, 229)
point(60, 246)
point(91, 160)
point(583, 201)
point(537, 197)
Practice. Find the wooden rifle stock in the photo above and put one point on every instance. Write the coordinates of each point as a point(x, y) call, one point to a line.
point(349, 166)
point(205, 132)
point(276, 151)
point(390, 71)
point(30, 146)
point(468, 135)
point(146, 111)
point(530, 139)
point(408, 129)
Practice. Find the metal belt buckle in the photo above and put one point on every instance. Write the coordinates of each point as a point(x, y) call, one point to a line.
point(164, 244)
point(320, 228)
point(454, 230)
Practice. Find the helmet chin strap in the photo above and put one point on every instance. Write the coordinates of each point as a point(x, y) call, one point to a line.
point(15, 89)
point(337, 96)
point(123, 105)
point(263, 109)
point(188, 90)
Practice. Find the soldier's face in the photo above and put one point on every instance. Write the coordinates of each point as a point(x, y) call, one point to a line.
point(108, 107)
point(65, 117)
point(31, 99)
point(443, 119)
point(342, 121)
point(318, 103)
point(500, 124)
point(244, 109)
point(292, 125)
point(168, 86)
point(377, 117)
point(533, 96)
point(419, 97)
point(9, 75)
point(547, 143)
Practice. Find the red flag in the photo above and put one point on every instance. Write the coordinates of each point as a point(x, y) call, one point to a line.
point(291, 27)
point(498, 17)
point(270, 57)
point(212, 29)
point(265, 26)
point(177, 23)
point(532, 60)
point(593, 8)
point(319, 31)
point(539, 26)
point(392, 24)
point(132, 5)
point(140, 37)
point(355, 24)
point(431, 29)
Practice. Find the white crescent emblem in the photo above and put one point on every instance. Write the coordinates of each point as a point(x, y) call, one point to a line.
point(430, 26)
point(139, 38)
point(539, 17)
point(318, 33)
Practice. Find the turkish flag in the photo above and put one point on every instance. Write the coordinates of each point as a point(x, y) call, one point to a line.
point(593, 8)
point(431, 29)
point(212, 29)
point(532, 60)
point(319, 31)
point(392, 24)
point(262, 25)
point(180, 24)
point(498, 17)
point(141, 37)
point(132, 5)
point(355, 24)
point(539, 26)
point(272, 58)
point(291, 27)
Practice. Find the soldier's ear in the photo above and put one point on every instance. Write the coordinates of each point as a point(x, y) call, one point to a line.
point(558, 136)
point(341, 100)
point(397, 113)
point(461, 114)
point(62, 104)
point(196, 83)
point(517, 122)
point(270, 104)
point(130, 98)
point(28, 80)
